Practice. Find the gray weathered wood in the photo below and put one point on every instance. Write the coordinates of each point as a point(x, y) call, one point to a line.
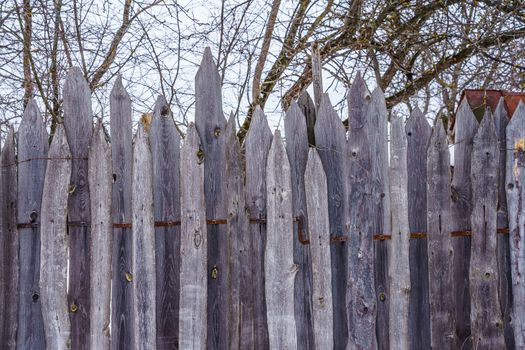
point(257, 144)
point(398, 262)
point(210, 123)
point(241, 298)
point(54, 246)
point(100, 183)
point(78, 123)
point(461, 207)
point(143, 242)
point(485, 316)
point(361, 297)
point(331, 143)
point(9, 241)
point(515, 178)
point(193, 250)
point(297, 151)
point(121, 153)
point(418, 135)
point(32, 149)
point(501, 120)
point(165, 148)
point(319, 233)
point(309, 111)
point(279, 267)
point(376, 127)
point(440, 253)
point(317, 74)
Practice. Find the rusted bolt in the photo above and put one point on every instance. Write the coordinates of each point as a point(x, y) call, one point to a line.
point(382, 296)
point(200, 156)
point(35, 297)
point(129, 276)
point(33, 216)
point(217, 132)
point(73, 307)
point(214, 272)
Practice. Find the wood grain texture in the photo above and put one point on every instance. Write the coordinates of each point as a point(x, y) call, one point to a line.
point(297, 152)
point(143, 242)
point(121, 154)
point(485, 315)
point(319, 233)
point(210, 123)
point(501, 120)
point(317, 74)
point(9, 240)
point(279, 267)
point(100, 183)
point(418, 133)
point(54, 247)
point(515, 179)
point(398, 262)
point(440, 252)
point(307, 106)
point(165, 148)
point(363, 221)
point(193, 250)
point(257, 145)
point(461, 207)
point(78, 123)
point(241, 298)
point(32, 148)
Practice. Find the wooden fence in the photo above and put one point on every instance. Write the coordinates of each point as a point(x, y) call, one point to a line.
point(203, 243)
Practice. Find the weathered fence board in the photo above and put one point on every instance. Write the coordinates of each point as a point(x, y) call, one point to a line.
point(297, 151)
point(9, 241)
point(100, 182)
point(418, 133)
point(306, 104)
point(515, 178)
point(165, 148)
point(361, 296)
point(461, 207)
point(193, 250)
point(257, 144)
point(398, 262)
point(54, 247)
point(143, 241)
point(279, 267)
point(319, 233)
point(485, 316)
point(501, 120)
point(331, 144)
point(440, 253)
point(78, 123)
point(32, 149)
point(121, 153)
point(241, 298)
point(210, 123)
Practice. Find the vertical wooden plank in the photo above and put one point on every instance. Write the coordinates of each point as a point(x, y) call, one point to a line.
point(78, 123)
point(418, 133)
point(241, 298)
point(501, 120)
point(319, 228)
point(440, 253)
point(398, 262)
point(485, 316)
point(257, 143)
point(279, 267)
point(193, 250)
point(461, 207)
point(363, 216)
point(143, 241)
point(165, 148)
point(331, 143)
point(515, 178)
point(377, 126)
point(9, 240)
point(317, 74)
point(100, 182)
point(121, 154)
point(54, 246)
point(210, 123)
point(297, 151)
point(32, 149)
point(306, 104)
